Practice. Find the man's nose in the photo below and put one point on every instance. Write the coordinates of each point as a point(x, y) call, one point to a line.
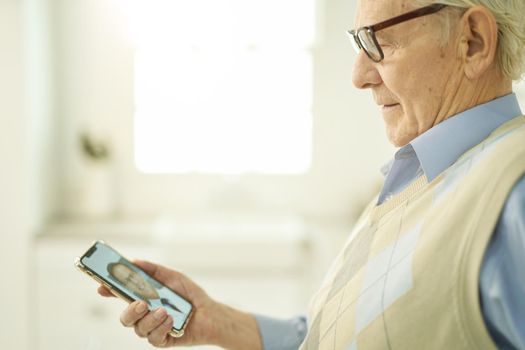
point(365, 74)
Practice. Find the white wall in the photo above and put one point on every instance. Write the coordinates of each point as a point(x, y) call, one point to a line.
point(14, 194)
point(40, 109)
point(26, 175)
point(95, 88)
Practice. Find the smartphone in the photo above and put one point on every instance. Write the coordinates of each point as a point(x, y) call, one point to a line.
point(128, 282)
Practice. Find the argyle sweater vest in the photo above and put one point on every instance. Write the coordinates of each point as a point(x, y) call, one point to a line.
point(408, 276)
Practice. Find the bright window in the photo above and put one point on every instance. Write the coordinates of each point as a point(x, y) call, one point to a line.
point(223, 86)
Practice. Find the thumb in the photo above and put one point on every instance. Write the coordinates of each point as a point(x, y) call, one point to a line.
point(147, 266)
point(174, 280)
point(160, 273)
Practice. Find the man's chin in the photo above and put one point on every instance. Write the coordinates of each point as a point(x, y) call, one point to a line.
point(398, 140)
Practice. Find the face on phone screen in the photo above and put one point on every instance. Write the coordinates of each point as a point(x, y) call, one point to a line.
point(135, 283)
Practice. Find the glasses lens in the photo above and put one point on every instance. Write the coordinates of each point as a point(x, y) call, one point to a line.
point(366, 37)
point(353, 40)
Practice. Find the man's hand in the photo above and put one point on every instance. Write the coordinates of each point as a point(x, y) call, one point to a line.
point(211, 322)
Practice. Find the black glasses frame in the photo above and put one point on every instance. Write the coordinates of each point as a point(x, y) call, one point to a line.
point(371, 30)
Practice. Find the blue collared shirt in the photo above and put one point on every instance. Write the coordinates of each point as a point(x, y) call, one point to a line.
point(502, 280)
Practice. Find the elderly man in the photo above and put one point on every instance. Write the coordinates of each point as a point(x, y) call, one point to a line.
point(437, 259)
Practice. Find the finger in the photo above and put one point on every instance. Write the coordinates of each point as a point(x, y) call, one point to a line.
point(105, 292)
point(171, 278)
point(133, 313)
point(147, 266)
point(158, 272)
point(149, 322)
point(160, 335)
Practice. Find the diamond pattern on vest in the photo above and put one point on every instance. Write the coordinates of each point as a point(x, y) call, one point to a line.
point(386, 277)
point(355, 256)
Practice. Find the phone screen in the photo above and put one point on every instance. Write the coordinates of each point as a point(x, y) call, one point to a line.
point(134, 283)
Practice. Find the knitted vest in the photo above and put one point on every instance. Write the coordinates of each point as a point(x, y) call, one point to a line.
point(408, 276)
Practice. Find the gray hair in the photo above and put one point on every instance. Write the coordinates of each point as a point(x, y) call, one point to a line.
point(509, 16)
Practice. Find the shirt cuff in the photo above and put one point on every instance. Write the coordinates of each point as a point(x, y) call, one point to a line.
point(279, 334)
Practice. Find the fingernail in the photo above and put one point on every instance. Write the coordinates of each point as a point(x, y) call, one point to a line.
point(140, 307)
point(159, 313)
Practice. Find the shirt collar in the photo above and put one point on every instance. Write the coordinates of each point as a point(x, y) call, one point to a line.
point(440, 146)
point(402, 153)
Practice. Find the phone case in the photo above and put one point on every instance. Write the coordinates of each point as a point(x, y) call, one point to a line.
point(78, 263)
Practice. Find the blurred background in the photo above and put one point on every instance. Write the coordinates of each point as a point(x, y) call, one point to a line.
point(220, 137)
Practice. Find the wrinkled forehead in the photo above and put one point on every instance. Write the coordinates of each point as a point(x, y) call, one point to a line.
point(374, 11)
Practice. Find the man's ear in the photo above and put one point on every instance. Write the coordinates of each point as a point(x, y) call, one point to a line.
point(479, 41)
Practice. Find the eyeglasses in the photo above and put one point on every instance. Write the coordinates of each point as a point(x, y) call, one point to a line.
point(365, 37)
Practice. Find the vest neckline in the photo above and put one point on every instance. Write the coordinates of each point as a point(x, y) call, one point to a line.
point(378, 211)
